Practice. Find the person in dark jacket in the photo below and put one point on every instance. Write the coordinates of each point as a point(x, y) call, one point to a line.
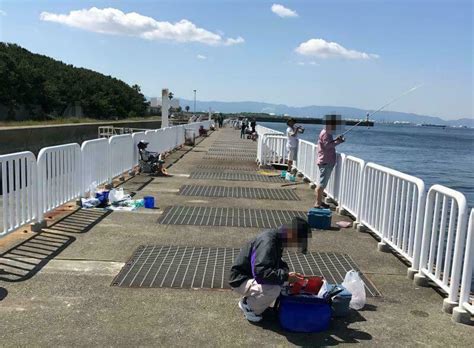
point(259, 272)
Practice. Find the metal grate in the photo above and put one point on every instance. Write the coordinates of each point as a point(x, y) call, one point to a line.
point(238, 192)
point(231, 168)
point(231, 157)
point(154, 266)
point(205, 175)
point(232, 151)
point(232, 217)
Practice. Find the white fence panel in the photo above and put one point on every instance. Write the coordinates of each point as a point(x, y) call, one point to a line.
point(465, 300)
point(351, 185)
point(121, 154)
point(18, 190)
point(262, 131)
point(59, 176)
point(444, 239)
point(274, 149)
point(95, 162)
point(306, 160)
point(392, 206)
point(334, 183)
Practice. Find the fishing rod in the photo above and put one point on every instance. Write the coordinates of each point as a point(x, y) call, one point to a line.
point(381, 108)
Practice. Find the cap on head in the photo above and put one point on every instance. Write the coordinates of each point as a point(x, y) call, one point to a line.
point(142, 144)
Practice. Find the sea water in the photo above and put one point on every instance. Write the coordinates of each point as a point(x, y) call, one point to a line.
point(442, 156)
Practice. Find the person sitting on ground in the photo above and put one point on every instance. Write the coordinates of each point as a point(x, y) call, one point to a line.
point(326, 156)
point(202, 131)
point(259, 272)
point(153, 158)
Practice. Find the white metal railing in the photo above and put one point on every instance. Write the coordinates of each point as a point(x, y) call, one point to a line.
point(465, 299)
point(273, 149)
point(392, 206)
point(306, 160)
point(351, 185)
point(18, 190)
point(444, 239)
point(333, 187)
point(95, 162)
point(59, 176)
point(261, 132)
point(121, 154)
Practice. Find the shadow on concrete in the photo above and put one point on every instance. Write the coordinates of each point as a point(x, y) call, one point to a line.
point(24, 260)
point(339, 331)
point(79, 221)
point(3, 293)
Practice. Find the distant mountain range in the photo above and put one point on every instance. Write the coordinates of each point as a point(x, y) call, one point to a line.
point(319, 111)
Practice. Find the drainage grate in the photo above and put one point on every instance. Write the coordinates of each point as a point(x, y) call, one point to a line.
point(231, 217)
point(190, 267)
point(238, 192)
point(231, 168)
point(231, 157)
point(204, 175)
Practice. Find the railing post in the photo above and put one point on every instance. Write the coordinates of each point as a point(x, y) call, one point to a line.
point(420, 216)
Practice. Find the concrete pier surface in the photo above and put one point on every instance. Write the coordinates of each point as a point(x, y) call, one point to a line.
point(56, 285)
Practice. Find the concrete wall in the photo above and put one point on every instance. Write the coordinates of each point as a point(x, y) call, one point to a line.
point(34, 138)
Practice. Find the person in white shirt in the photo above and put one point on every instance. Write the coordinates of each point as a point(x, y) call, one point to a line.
point(292, 144)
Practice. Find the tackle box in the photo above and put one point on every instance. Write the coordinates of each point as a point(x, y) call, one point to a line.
point(320, 218)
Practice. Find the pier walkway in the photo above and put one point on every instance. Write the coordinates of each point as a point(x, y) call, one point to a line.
point(69, 284)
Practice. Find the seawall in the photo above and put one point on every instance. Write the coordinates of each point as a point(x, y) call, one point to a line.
point(34, 138)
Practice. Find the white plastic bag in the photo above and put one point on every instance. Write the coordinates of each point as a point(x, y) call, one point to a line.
point(116, 195)
point(323, 290)
point(356, 287)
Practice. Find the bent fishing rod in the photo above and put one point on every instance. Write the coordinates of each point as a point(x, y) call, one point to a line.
point(380, 109)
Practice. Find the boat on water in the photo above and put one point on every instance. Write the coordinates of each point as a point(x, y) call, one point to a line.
point(433, 125)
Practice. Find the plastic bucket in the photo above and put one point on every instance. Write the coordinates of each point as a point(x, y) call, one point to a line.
point(149, 202)
point(283, 174)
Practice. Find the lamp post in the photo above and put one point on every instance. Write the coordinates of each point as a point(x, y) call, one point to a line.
point(194, 101)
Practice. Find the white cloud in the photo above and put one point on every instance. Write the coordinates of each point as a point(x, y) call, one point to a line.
point(3, 13)
point(313, 63)
point(282, 11)
point(115, 22)
point(324, 49)
point(200, 56)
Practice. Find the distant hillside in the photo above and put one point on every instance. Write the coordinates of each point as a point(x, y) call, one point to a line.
point(319, 111)
point(34, 86)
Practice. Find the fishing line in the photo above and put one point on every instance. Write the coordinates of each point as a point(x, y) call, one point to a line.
point(381, 108)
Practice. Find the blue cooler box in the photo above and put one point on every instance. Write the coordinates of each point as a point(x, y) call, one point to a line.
point(340, 303)
point(304, 313)
point(320, 218)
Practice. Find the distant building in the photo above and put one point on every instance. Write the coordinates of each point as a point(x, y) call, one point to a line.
point(156, 102)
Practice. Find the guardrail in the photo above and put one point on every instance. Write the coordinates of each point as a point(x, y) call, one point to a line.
point(59, 176)
point(392, 206)
point(30, 188)
point(466, 302)
point(443, 242)
point(333, 187)
point(306, 160)
point(18, 190)
point(273, 149)
point(351, 185)
point(262, 132)
point(95, 163)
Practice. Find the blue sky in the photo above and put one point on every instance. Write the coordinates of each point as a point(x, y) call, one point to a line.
point(334, 52)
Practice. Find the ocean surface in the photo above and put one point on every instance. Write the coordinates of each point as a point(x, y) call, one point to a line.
point(435, 155)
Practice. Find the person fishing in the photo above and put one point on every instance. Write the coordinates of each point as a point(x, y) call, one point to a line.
point(326, 156)
point(259, 272)
point(292, 141)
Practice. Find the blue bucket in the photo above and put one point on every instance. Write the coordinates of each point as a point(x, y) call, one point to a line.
point(283, 174)
point(149, 202)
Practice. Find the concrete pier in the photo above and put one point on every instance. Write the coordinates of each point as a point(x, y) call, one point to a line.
point(56, 284)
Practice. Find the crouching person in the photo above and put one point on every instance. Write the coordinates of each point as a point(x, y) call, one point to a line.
point(259, 272)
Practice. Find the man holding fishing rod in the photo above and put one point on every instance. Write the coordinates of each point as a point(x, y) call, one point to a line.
point(327, 155)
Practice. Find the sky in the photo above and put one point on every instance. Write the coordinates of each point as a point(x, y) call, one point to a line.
point(313, 52)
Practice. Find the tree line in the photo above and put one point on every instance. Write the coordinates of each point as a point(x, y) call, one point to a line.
point(44, 88)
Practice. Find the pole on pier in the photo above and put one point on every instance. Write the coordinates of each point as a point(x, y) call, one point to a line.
point(165, 105)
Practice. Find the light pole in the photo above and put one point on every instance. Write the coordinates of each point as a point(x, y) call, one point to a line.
point(194, 101)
